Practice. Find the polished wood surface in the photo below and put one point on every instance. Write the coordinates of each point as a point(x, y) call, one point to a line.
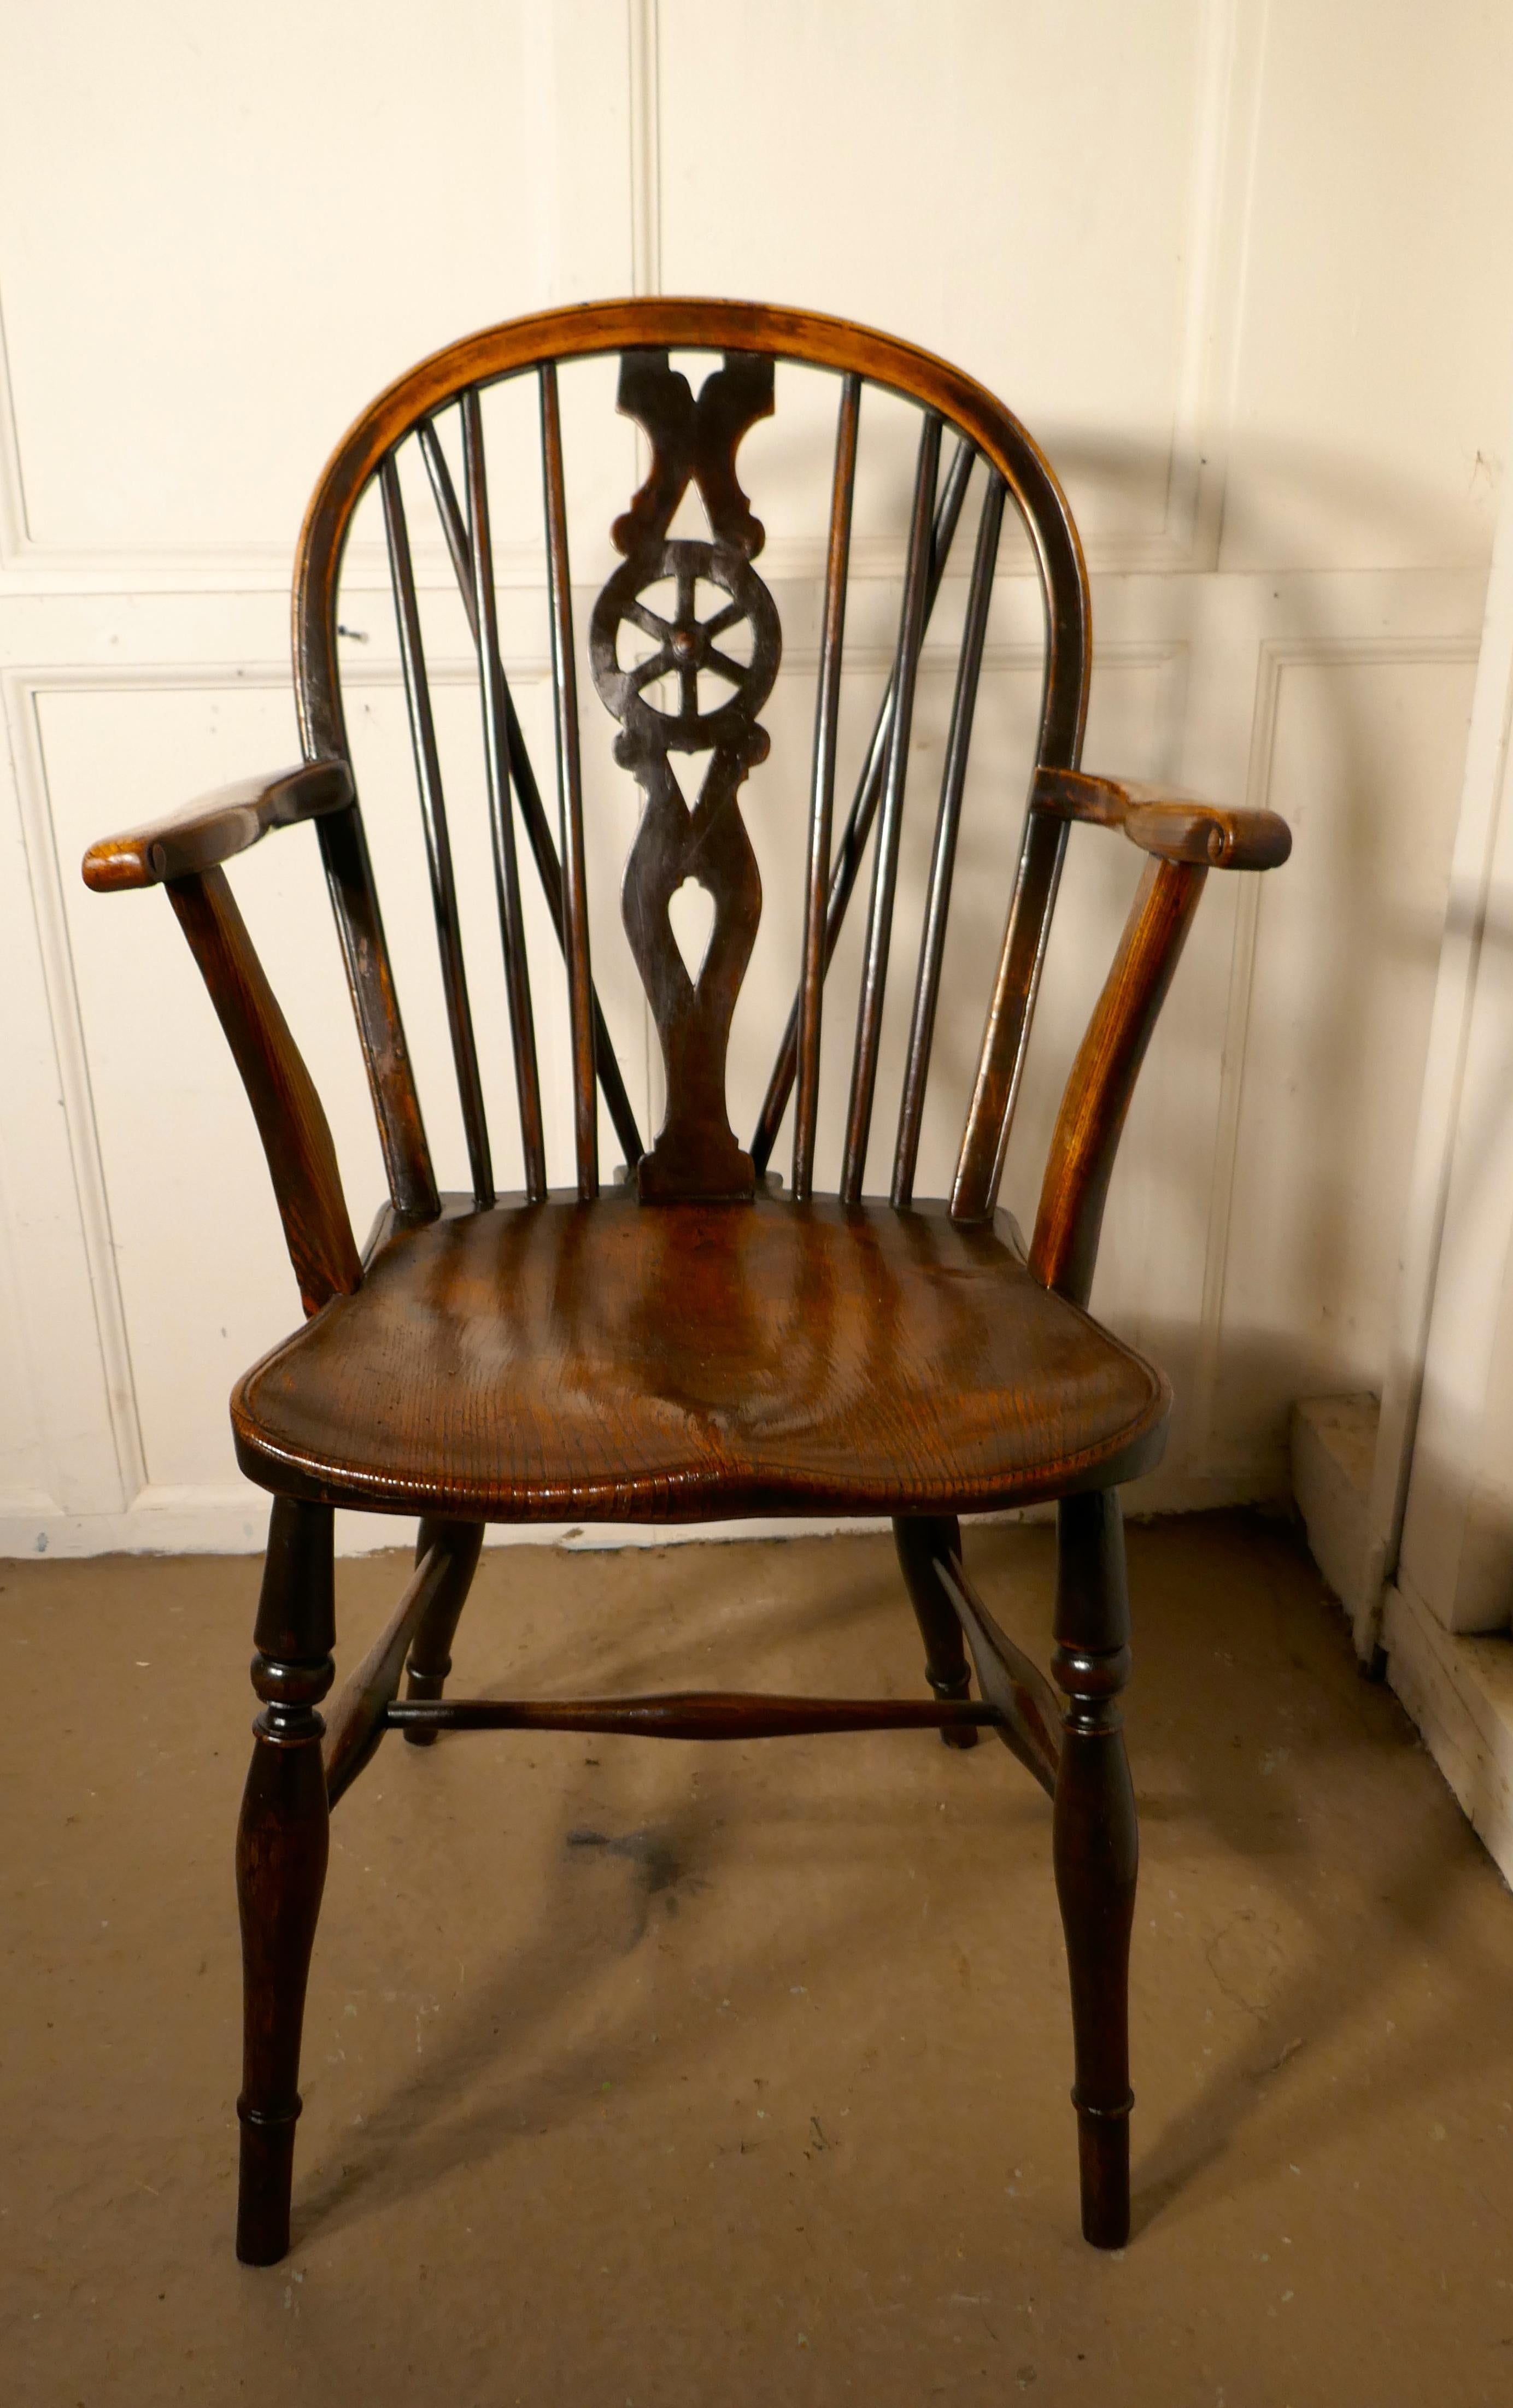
point(569, 792)
point(430, 1656)
point(1089, 1126)
point(217, 828)
point(943, 855)
point(697, 1715)
point(356, 1722)
point(501, 818)
point(1176, 828)
point(726, 1351)
point(879, 937)
point(701, 836)
point(282, 1845)
point(1018, 1689)
point(925, 1541)
point(678, 324)
point(1095, 1847)
point(291, 1121)
point(652, 327)
point(611, 1363)
point(822, 791)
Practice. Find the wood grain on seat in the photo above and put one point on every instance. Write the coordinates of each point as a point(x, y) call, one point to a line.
point(601, 1362)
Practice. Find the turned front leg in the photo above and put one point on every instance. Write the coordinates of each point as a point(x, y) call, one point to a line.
point(1096, 1848)
point(281, 1847)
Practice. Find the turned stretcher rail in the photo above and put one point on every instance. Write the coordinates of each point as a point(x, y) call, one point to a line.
point(692, 1714)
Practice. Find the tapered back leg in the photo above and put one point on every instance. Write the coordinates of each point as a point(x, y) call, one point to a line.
point(430, 1656)
point(923, 1540)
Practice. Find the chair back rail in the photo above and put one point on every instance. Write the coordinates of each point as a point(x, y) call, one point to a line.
point(693, 441)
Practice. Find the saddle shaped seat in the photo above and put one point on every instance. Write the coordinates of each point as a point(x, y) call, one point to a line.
point(608, 1362)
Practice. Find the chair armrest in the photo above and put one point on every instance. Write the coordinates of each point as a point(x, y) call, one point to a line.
point(218, 827)
point(1091, 1119)
point(1172, 827)
point(291, 1120)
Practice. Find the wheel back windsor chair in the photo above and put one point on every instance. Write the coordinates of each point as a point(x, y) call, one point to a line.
point(690, 1344)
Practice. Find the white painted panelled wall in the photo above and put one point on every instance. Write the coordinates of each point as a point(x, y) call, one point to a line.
point(1241, 268)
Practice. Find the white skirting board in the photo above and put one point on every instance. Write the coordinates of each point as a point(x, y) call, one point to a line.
point(232, 1521)
point(1459, 1692)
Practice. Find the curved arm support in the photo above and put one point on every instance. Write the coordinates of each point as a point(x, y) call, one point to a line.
point(1173, 828)
point(291, 1121)
point(1091, 1119)
point(218, 827)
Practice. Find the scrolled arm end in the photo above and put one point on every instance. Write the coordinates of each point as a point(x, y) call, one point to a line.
point(1172, 827)
point(217, 828)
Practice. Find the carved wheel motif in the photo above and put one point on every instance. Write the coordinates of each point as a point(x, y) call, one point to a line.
point(694, 441)
point(688, 646)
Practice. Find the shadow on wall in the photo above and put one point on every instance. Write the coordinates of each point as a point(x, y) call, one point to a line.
point(1314, 703)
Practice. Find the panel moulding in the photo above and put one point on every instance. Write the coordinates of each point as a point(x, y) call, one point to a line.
point(1275, 656)
point(1215, 244)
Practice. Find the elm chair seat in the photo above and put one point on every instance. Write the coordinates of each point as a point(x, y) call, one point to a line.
point(697, 1362)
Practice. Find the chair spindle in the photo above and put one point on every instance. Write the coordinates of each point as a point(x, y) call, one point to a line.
point(890, 817)
point(437, 839)
point(570, 793)
point(985, 1145)
point(852, 844)
point(527, 792)
point(497, 752)
point(947, 826)
point(826, 717)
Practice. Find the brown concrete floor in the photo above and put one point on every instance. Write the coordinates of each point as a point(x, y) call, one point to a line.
point(662, 2075)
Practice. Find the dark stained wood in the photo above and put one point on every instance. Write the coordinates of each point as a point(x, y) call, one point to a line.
point(570, 794)
point(445, 1566)
point(851, 848)
point(1173, 827)
point(729, 1353)
point(1025, 1701)
point(218, 827)
point(923, 1542)
point(679, 324)
point(1006, 1038)
point(558, 1365)
point(890, 817)
point(1086, 1138)
point(430, 1658)
point(501, 815)
point(391, 1080)
point(822, 795)
point(281, 1849)
point(438, 838)
point(943, 857)
point(693, 1713)
point(527, 792)
point(703, 837)
point(297, 1137)
point(653, 326)
point(1095, 1847)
